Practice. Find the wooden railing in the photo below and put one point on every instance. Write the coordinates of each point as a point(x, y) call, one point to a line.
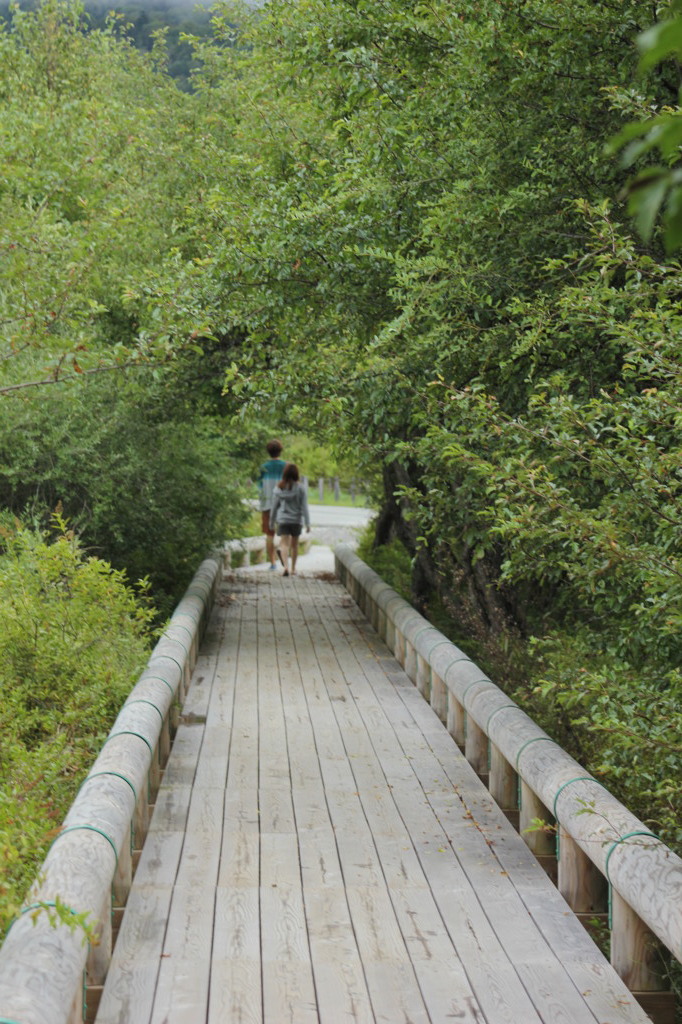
point(606, 856)
point(48, 973)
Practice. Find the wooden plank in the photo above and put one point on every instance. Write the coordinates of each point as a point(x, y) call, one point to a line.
point(201, 850)
point(423, 822)
point(580, 958)
point(235, 995)
point(607, 1001)
point(319, 857)
point(237, 925)
point(211, 769)
point(288, 987)
point(182, 763)
point(183, 981)
point(279, 859)
point(395, 993)
point(288, 984)
point(447, 990)
point(240, 854)
point(288, 993)
point(132, 980)
point(158, 864)
point(276, 809)
point(339, 977)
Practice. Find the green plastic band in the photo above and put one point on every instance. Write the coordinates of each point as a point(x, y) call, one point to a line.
point(89, 828)
point(118, 775)
point(165, 636)
point(169, 657)
point(474, 682)
point(143, 678)
point(440, 644)
point(562, 787)
point(455, 662)
point(493, 713)
point(45, 903)
point(179, 625)
point(617, 842)
point(40, 905)
point(130, 732)
point(143, 700)
point(190, 615)
point(533, 739)
point(422, 629)
point(6, 1020)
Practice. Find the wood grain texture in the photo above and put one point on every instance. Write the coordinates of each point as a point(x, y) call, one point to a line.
point(325, 853)
point(644, 872)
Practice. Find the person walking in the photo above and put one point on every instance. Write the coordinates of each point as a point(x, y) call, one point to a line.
point(288, 514)
point(270, 474)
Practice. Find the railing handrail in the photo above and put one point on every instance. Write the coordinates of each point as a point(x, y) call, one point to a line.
point(42, 965)
point(637, 865)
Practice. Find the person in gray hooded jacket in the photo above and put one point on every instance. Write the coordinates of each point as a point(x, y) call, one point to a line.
point(288, 513)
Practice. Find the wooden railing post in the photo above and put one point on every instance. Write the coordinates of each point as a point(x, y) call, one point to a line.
point(424, 677)
point(456, 720)
point(164, 741)
point(580, 882)
point(99, 954)
point(399, 646)
point(123, 878)
point(538, 839)
point(439, 696)
point(410, 663)
point(504, 784)
point(637, 956)
point(154, 776)
point(476, 749)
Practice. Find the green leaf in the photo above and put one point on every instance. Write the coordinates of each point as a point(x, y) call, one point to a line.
point(672, 236)
point(660, 41)
point(645, 198)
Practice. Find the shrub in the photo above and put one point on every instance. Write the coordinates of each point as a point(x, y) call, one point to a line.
point(73, 638)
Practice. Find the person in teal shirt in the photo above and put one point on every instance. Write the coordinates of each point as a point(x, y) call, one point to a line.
point(270, 475)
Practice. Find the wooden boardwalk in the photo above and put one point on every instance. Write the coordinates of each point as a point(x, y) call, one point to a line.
point(321, 851)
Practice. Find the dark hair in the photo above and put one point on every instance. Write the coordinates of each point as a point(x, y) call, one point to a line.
point(289, 476)
point(274, 448)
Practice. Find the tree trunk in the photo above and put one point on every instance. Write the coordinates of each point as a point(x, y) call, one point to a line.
point(437, 570)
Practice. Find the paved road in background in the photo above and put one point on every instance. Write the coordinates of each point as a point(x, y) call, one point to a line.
point(340, 515)
point(339, 524)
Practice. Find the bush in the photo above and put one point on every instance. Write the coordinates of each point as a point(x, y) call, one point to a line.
point(73, 639)
point(148, 484)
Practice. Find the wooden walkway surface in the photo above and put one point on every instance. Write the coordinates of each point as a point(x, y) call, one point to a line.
point(321, 851)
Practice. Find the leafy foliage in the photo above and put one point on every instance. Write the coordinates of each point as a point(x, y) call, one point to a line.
point(427, 261)
point(73, 638)
point(658, 187)
point(148, 486)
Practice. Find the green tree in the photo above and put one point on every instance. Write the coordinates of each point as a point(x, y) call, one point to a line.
point(421, 261)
